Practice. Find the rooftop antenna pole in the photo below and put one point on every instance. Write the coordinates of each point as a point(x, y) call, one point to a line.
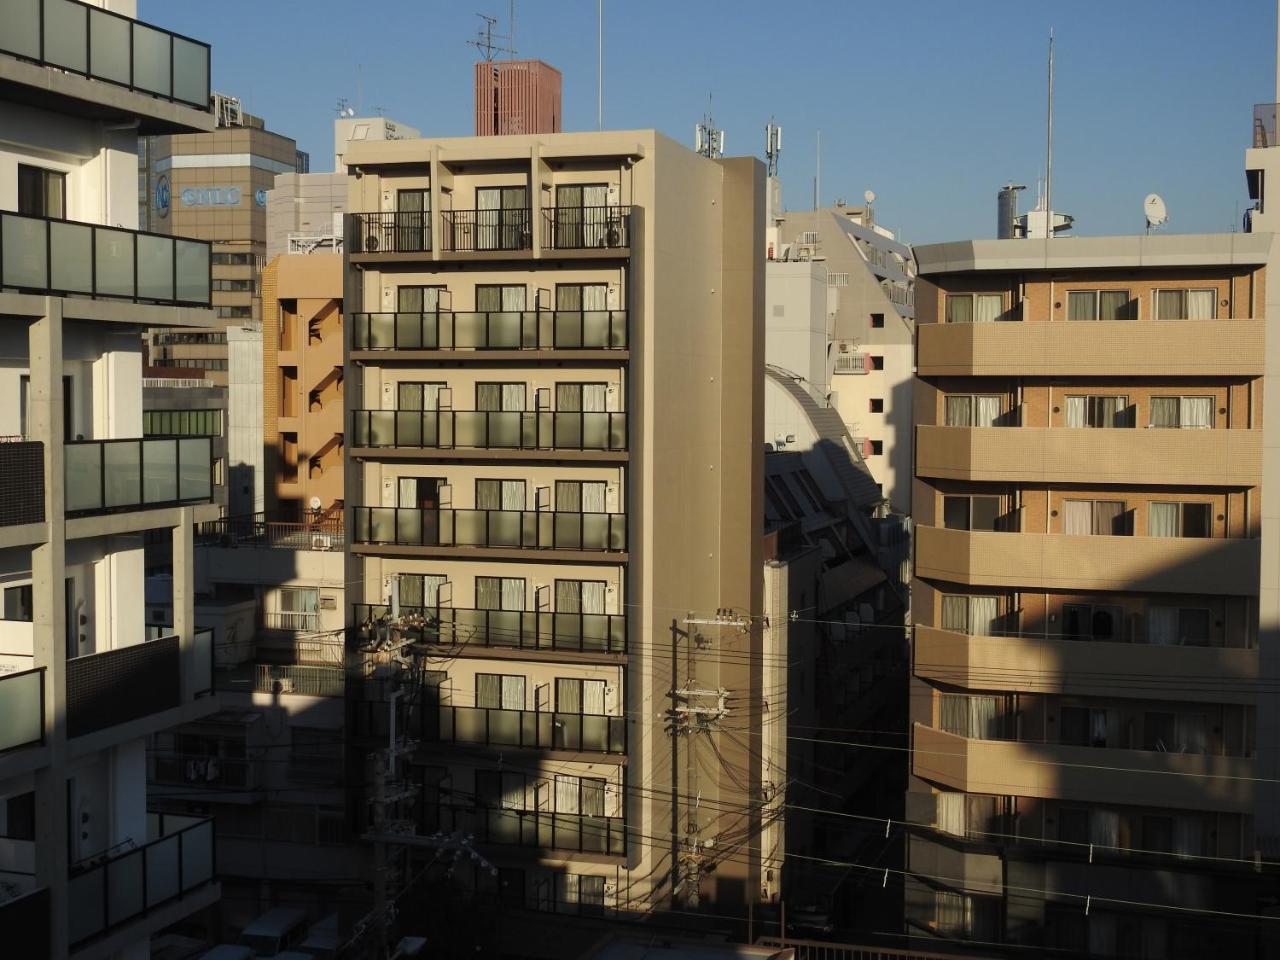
point(360, 88)
point(599, 64)
point(511, 16)
point(1048, 169)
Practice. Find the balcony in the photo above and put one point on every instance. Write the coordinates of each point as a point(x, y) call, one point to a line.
point(22, 706)
point(68, 258)
point(506, 330)
point(1106, 455)
point(1086, 563)
point(1121, 348)
point(503, 629)
point(489, 430)
point(515, 529)
point(587, 228)
point(299, 680)
point(1086, 668)
point(545, 830)
point(1086, 774)
point(539, 730)
point(106, 48)
point(129, 683)
point(391, 232)
point(486, 231)
point(110, 891)
point(111, 476)
point(21, 482)
point(1264, 126)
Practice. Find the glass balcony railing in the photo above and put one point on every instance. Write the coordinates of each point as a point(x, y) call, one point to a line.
point(107, 46)
point(69, 258)
point(510, 629)
point(22, 706)
point(112, 890)
point(490, 430)
point(521, 529)
point(492, 330)
point(105, 476)
point(544, 730)
point(546, 830)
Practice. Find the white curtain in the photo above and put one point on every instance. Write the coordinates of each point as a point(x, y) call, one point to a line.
point(568, 695)
point(1075, 411)
point(595, 296)
point(960, 308)
point(1162, 520)
point(512, 593)
point(1165, 411)
point(1191, 733)
point(1099, 723)
point(1082, 305)
point(593, 496)
point(1104, 828)
point(514, 298)
point(951, 813)
point(513, 396)
point(591, 797)
point(594, 396)
point(953, 913)
point(593, 592)
point(567, 795)
point(1200, 304)
point(1077, 517)
point(513, 495)
point(569, 596)
point(1196, 412)
point(983, 615)
point(569, 396)
point(959, 411)
point(418, 396)
point(488, 593)
point(513, 791)
point(955, 614)
point(488, 690)
point(513, 693)
point(593, 697)
point(1187, 836)
point(986, 411)
point(987, 307)
point(1162, 625)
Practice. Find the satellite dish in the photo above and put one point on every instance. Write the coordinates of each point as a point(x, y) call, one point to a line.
point(869, 196)
point(315, 503)
point(1155, 210)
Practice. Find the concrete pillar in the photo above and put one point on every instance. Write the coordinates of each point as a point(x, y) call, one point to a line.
point(48, 576)
point(184, 613)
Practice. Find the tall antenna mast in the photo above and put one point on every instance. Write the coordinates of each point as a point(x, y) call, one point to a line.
point(772, 146)
point(511, 28)
point(707, 140)
point(1048, 167)
point(599, 64)
point(485, 39)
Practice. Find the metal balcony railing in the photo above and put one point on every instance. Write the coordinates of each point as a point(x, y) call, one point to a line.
point(392, 232)
point(307, 681)
point(479, 231)
point(114, 889)
point(68, 258)
point(586, 228)
point(202, 771)
point(270, 534)
point(490, 430)
point(22, 706)
point(521, 529)
point(511, 629)
point(290, 620)
point(543, 730)
point(492, 330)
point(546, 830)
point(106, 476)
point(102, 45)
point(21, 482)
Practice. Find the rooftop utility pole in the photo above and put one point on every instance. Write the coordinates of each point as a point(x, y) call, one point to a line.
point(488, 42)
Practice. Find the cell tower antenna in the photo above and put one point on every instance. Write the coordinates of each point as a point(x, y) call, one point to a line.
point(488, 42)
point(772, 146)
point(707, 140)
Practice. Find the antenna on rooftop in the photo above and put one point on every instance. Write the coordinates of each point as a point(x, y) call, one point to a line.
point(707, 140)
point(1156, 212)
point(772, 146)
point(1048, 168)
point(488, 42)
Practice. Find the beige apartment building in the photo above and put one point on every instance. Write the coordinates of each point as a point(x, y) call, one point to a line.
point(554, 384)
point(1089, 456)
point(302, 395)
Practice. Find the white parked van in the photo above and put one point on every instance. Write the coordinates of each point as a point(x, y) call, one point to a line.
point(275, 931)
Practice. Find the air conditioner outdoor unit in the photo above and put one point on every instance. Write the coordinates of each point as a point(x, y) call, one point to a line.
point(284, 683)
point(321, 541)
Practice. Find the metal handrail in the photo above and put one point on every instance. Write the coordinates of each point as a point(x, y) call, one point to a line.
point(517, 629)
point(483, 231)
point(522, 529)
point(541, 729)
point(490, 429)
point(587, 228)
point(490, 330)
point(393, 231)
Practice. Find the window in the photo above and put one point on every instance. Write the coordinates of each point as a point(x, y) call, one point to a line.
point(1179, 520)
point(877, 321)
point(500, 691)
point(233, 286)
point(581, 795)
point(232, 259)
point(580, 496)
point(1083, 621)
point(877, 448)
point(419, 395)
point(877, 405)
point(971, 614)
point(1101, 305)
point(580, 696)
point(1187, 413)
point(973, 411)
point(1178, 625)
point(500, 396)
point(502, 218)
point(420, 589)
point(971, 513)
point(501, 495)
point(580, 397)
point(1168, 732)
point(234, 313)
point(1083, 726)
point(965, 916)
point(582, 216)
point(297, 608)
point(573, 297)
point(200, 363)
point(19, 817)
point(1185, 304)
point(18, 603)
point(418, 299)
point(315, 755)
point(41, 192)
point(500, 593)
point(877, 363)
point(497, 298)
point(1099, 411)
point(972, 815)
point(980, 718)
point(580, 894)
point(580, 596)
point(502, 790)
point(182, 423)
point(413, 220)
point(1099, 518)
point(421, 493)
point(974, 307)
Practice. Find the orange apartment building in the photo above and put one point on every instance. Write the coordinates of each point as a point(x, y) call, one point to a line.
point(302, 420)
point(1088, 471)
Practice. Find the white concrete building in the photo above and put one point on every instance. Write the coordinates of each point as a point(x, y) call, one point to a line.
point(86, 870)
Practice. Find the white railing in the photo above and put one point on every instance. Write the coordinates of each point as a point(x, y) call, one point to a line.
point(314, 243)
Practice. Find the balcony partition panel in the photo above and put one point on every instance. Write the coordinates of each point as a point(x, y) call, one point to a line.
point(22, 706)
point(106, 475)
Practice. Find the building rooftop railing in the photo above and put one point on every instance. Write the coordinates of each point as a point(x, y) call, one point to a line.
point(46, 255)
point(256, 533)
point(1264, 125)
point(109, 47)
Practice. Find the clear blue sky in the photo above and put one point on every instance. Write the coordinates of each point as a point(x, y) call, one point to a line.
point(933, 104)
